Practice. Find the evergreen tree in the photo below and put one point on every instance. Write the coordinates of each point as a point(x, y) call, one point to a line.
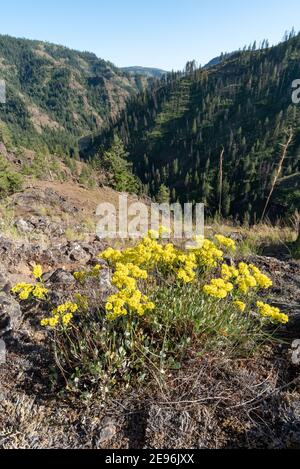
point(163, 195)
point(115, 162)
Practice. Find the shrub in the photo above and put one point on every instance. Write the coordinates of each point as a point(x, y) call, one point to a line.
point(10, 181)
point(168, 303)
point(115, 162)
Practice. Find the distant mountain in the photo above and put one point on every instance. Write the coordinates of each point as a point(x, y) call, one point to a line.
point(55, 95)
point(238, 112)
point(144, 71)
point(218, 60)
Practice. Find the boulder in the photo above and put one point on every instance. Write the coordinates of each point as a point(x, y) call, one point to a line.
point(24, 226)
point(10, 313)
point(77, 253)
point(59, 276)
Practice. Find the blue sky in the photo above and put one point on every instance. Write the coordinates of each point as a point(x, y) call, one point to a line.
point(156, 33)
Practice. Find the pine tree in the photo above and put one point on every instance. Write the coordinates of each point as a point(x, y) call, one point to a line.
point(115, 162)
point(163, 195)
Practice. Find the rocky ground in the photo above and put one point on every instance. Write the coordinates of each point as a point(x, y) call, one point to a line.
point(213, 402)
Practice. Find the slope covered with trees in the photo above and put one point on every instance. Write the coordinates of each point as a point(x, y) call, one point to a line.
point(56, 96)
point(225, 135)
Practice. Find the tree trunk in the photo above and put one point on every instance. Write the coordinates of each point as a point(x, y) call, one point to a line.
point(278, 171)
point(296, 248)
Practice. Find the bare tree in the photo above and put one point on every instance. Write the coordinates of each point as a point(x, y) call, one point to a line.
point(285, 148)
point(221, 180)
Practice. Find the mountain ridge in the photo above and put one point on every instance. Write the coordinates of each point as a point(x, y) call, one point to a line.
point(56, 95)
point(151, 72)
point(176, 130)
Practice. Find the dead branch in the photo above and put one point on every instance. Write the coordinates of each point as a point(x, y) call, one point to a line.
point(278, 172)
point(221, 180)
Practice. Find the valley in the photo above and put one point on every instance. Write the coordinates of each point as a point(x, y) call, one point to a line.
point(149, 343)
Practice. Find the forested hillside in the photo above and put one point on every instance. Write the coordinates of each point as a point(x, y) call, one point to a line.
point(225, 135)
point(145, 71)
point(55, 95)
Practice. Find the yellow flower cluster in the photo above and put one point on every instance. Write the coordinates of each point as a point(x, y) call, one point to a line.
point(229, 272)
point(251, 277)
point(186, 270)
point(134, 264)
point(240, 305)
point(26, 290)
point(63, 314)
point(208, 255)
point(129, 297)
point(262, 280)
point(37, 272)
point(272, 313)
point(227, 243)
point(126, 274)
point(150, 254)
point(127, 300)
point(245, 278)
point(218, 288)
point(240, 281)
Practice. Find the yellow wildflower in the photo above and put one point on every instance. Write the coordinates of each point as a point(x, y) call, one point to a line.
point(240, 305)
point(37, 272)
point(226, 242)
point(39, 292)
point(272, 313)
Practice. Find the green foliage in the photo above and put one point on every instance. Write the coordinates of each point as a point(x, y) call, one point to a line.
point(86, 177)
point(10, 181)
point(56, 96)
point(103, 355)
point(176, 130)
point(163, 196)
point(115, 162)
point(162, 312)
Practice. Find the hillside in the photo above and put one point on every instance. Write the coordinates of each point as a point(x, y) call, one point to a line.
point(145, 71)
point(55, 95)
point(215, 135)
point(215, 392)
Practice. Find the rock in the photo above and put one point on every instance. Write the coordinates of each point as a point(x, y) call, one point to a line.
point(77, 253)
point(24, 226)
point(6, 245)
point(10, 314)
point(237, 236)
point(60, 276)
point(4, 283)
point(47, 227)
point(108, 432)
point(56, 229)
point(105, 279)
point(296, 352)
point(97, 261)
point(2, 354)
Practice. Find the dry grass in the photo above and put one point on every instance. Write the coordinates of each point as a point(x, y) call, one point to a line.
point(212, 402)
point(253, 240)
